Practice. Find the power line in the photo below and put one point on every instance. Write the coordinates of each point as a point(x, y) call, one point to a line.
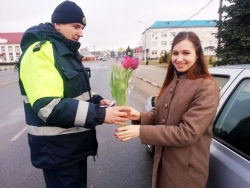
point(199, 11)
point(195, 14)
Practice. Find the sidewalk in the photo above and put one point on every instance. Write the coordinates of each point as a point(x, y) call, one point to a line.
point(6, 67)
point(154, 75)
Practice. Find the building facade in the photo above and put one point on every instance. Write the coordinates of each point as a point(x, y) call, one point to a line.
point(10, 50)
point(158, 38)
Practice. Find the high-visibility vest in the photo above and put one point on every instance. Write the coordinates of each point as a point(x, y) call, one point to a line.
point(57, 100)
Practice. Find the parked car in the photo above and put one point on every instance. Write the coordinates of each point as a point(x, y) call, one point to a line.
point(230, 146)
point(102, 58)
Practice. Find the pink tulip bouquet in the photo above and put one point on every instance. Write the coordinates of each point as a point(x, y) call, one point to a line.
point(119, 80)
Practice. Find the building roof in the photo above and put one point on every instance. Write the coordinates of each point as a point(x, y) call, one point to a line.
point(10, 38)
point(184, 24)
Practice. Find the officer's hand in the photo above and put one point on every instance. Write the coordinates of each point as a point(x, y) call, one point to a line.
point(105, 102)
point(117, 115)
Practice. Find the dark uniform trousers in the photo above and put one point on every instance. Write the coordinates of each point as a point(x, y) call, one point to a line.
point(72, 177)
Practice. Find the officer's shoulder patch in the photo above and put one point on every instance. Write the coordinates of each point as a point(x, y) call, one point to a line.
point(37, 47)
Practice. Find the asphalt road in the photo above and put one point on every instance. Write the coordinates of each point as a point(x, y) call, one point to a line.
point(118, 165)
point(15, 167)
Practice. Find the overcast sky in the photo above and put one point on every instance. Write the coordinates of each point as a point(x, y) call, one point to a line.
point(111, 24)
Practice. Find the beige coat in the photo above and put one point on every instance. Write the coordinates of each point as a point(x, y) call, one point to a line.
point(181, 129)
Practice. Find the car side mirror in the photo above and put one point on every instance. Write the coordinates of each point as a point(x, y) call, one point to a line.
point(153, 101)
point(150, 103)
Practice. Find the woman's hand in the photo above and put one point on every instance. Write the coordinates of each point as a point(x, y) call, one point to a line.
point(127, 132)
point(134, 114)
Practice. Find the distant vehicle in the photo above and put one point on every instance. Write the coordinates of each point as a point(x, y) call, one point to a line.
point(102, 58)
point(230, 147)
point(87, 56)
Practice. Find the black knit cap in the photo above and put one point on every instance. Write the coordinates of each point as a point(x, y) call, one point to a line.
point(68, 12)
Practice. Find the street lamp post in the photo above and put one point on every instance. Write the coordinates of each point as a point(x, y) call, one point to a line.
point(147, 56)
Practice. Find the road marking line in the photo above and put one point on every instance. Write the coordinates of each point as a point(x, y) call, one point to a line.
point(8, 82)
point(19, 134)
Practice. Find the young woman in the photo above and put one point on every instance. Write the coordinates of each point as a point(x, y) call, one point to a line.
point(180, 126)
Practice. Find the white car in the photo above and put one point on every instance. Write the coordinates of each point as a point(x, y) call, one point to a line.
point(230, 147)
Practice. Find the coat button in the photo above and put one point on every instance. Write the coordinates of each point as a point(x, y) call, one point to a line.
point(171, 90)
point(163, 120)
point(166, 105)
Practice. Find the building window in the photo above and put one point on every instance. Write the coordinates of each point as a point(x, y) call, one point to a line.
point(17, 56)
point(164, 43)
point(4, 58)
point(154, 35)
point(163, 52)
point(2, 49)
point(10, 49)
point(11, 58)
point(172, 34)
point(17, 49)
point(154, 52)
point(164, 35)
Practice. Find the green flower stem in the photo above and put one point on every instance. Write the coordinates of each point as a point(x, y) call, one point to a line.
point(119, 85)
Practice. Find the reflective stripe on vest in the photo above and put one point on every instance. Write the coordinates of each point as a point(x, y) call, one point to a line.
point(53, 131)
point(46, 110)
point(81, 113)
point(85, 96)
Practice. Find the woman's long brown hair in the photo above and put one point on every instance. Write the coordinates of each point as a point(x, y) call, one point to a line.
point(198, 70)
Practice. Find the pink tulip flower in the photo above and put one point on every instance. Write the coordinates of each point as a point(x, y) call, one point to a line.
point(135, 63)
point(124, 59)
point(126, 62)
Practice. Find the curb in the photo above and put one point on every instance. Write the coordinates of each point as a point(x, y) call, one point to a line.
point(9, 68)
point(146, 80)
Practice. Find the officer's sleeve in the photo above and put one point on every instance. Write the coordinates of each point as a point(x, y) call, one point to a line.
point(44, 88)
point(96, 99)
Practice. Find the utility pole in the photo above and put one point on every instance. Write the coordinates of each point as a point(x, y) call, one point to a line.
point(94, 51)
point(219, 26)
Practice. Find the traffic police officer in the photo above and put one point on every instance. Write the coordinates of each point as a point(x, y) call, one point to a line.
point(61, 111)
